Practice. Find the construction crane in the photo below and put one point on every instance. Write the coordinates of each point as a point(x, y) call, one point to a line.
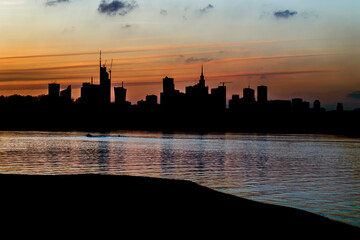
point(223, 83)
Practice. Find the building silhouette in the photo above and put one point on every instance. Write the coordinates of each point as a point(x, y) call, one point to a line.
point(317, 105)
point(171, 99)
point(262, 95)
point(193, 110)
point(54, 90)
point(196, 97)
point(98, 94)
point(339, 107)
point(199, 90)
point(65, 94)
point(57, 96)
point(120, 94)
point(168, 85)
point(249, 95)
point(234, 102)
point(151, 99)
point(279, 106)
point(298, 105)
point(218, 98)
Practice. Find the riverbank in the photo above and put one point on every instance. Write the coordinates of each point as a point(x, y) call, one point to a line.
point(90, 203)
point(113, 117)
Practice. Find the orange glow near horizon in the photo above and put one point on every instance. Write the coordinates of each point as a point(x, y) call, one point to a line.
point(294, 57)
point(25, 75)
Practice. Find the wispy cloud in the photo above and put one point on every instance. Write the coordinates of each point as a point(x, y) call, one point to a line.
point(55, 2)
point(270, 57)
point(163, 12)
point(284, 14)
point(48, 55)
point(206, 9)
point(127, 26)
point(193, 60)
point(274, 73)
point(116, 7)
point(149, 48)
point(354, 95)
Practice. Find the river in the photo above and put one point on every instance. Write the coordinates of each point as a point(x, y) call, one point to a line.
point(316, 173)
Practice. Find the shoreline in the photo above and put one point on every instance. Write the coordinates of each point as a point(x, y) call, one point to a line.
point(103, 131)
point(153, 202)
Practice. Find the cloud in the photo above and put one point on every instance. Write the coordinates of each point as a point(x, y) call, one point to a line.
point(164, 12)
point(275, 73)
point(354, 95)
point(308, 14)
point(127, 26)
point(155, 48)
point(206, 9)
point(285, 14)
point(55, 2)
point(193, 60)
point(116, 7)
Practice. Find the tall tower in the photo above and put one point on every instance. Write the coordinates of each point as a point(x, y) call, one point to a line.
point(202, 78)
point(262, 95)
point(54, 90)
point(168, 85)
point(105, 83)
point(249, 95)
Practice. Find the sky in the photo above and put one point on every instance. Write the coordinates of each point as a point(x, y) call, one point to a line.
point(306, 49)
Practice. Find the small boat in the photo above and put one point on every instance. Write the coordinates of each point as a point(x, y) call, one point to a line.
point(89, 135)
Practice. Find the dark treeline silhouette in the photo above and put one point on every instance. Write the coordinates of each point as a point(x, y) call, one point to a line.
point(195, 110)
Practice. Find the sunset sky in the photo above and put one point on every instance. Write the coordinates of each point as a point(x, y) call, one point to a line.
point(299, 48)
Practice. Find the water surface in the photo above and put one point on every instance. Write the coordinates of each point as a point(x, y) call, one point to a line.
point(317, 173)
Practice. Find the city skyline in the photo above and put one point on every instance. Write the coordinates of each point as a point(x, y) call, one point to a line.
point(196, 98)
point(298, 49)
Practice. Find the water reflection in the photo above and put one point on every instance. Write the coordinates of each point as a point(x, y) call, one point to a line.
point(167, 155)
point(315, 173)
point(103, 156)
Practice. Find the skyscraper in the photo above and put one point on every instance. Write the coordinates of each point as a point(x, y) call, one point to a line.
point(105, 83)
point(262, 94)
point(198, 90)
point(168, 85)
point(98, 94)
point(54, 90)
point(202, 78)
point(66, 94)
point(120, 95)
point(249, 95)
point(218, 97)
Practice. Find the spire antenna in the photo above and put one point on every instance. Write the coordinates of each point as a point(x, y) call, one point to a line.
point(100, 58)
point(202, 78)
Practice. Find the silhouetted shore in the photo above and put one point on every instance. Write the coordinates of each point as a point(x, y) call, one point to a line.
point(77, 117)
point(95, 204)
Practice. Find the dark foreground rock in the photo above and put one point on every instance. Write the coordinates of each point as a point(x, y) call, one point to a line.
point(99, 206)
